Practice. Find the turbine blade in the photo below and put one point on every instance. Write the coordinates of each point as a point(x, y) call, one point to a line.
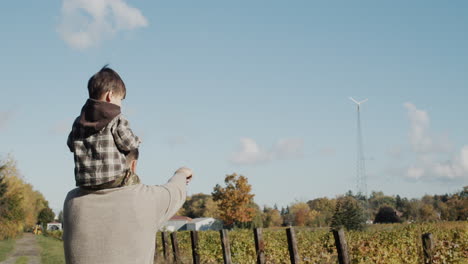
point(363, 101)
point(352, 99)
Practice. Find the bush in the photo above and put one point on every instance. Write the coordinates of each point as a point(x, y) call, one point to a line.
point(387, 215)
point(9, 229)
point(55, 234)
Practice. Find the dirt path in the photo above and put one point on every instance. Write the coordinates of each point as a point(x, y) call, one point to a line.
point(25, 246)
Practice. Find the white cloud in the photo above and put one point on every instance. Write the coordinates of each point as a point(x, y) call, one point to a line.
point(251, 153)
point(433, 156)
point(291, 148)
point(85, 23)
point(421, 139)
point(415, 173)
point(464, 158)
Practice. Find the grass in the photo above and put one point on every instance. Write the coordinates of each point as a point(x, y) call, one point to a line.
point(6, 246)
point(51, 250)
point(22, 260)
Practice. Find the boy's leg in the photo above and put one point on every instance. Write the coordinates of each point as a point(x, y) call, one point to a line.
point(130, 179)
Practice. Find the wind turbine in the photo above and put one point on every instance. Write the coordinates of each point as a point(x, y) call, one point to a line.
point(358, 103)
point(361, 182)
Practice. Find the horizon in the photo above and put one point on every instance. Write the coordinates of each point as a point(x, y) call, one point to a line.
point(257, 89)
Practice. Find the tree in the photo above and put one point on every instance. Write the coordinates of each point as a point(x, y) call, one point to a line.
point(3, 191)
point(199, 205)
point(60, 217)
point(234, 200)
point(457, 208)
point(11, 199)
point(325, 208)
point(257, 219)
point(302, 214)
point(11, 209)
point(427, 213)
point(3, 185)
point(349, 213)
point(271, 217)
point(20, 204)
point(401, 203)
point(387, 214)
point(45, 216)
point(24, 200)
point(378, 200)
point(288, 217)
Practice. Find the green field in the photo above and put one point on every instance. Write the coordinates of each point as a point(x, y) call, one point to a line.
point(6, 246)
point(51, 250)
point(386, 244)
point(397, 243)
point(22, 260)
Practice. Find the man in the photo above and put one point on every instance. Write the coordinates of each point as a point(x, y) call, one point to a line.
point(119, 225)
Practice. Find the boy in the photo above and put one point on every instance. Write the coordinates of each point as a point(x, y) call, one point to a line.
point(101, 136)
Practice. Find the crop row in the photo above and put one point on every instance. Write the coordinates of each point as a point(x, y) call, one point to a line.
point(398, 243)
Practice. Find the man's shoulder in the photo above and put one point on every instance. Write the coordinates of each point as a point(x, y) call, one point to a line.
point(135, 188)
point(77, 192)
point(73, 192)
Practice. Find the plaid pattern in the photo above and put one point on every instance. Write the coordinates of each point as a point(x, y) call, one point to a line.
point(99, 157)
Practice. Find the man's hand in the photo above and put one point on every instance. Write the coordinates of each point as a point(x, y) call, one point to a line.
point(188, 173)
point(189, 178)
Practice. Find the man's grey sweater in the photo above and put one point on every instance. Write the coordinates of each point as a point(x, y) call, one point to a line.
point(119, 225)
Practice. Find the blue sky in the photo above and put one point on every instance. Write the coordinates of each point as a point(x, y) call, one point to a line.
point(255, 87)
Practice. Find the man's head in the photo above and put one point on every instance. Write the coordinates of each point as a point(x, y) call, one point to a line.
point(106, 85)
point(132, 158)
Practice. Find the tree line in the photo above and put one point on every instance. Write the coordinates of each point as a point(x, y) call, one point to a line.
point(21, 207)
point(233, 204)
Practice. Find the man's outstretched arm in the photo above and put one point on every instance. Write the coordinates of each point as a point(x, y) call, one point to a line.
point(173, 194)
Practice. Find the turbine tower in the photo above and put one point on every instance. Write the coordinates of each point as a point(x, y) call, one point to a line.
point(361, 182)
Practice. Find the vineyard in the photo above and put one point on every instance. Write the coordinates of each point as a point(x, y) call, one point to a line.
point(398, 243)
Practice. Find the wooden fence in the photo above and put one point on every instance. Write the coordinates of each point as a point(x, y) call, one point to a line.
point(339, 235)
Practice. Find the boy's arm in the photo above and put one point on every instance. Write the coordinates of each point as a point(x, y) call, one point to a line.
point(70, 136)
point(124, 137)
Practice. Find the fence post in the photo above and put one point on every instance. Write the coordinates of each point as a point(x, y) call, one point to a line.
point(292, 245)
point(175, 247)
point(341, 246)
point(156, 253)
point(428, 248)
point(225, 246)
point(259, 245)
point(165, 244)
point(195, 255)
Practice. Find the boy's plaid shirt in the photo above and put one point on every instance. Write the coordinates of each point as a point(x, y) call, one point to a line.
point(99, 157)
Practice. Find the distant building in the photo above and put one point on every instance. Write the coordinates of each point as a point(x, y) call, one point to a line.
point(203, 224)
point(176, 223)
point(182, 223)
point(54, 226)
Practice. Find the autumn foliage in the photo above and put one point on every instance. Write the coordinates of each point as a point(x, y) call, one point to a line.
point(234, 200)
point(20, 204)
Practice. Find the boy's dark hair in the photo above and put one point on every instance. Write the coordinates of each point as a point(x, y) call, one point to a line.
point(104, 81)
